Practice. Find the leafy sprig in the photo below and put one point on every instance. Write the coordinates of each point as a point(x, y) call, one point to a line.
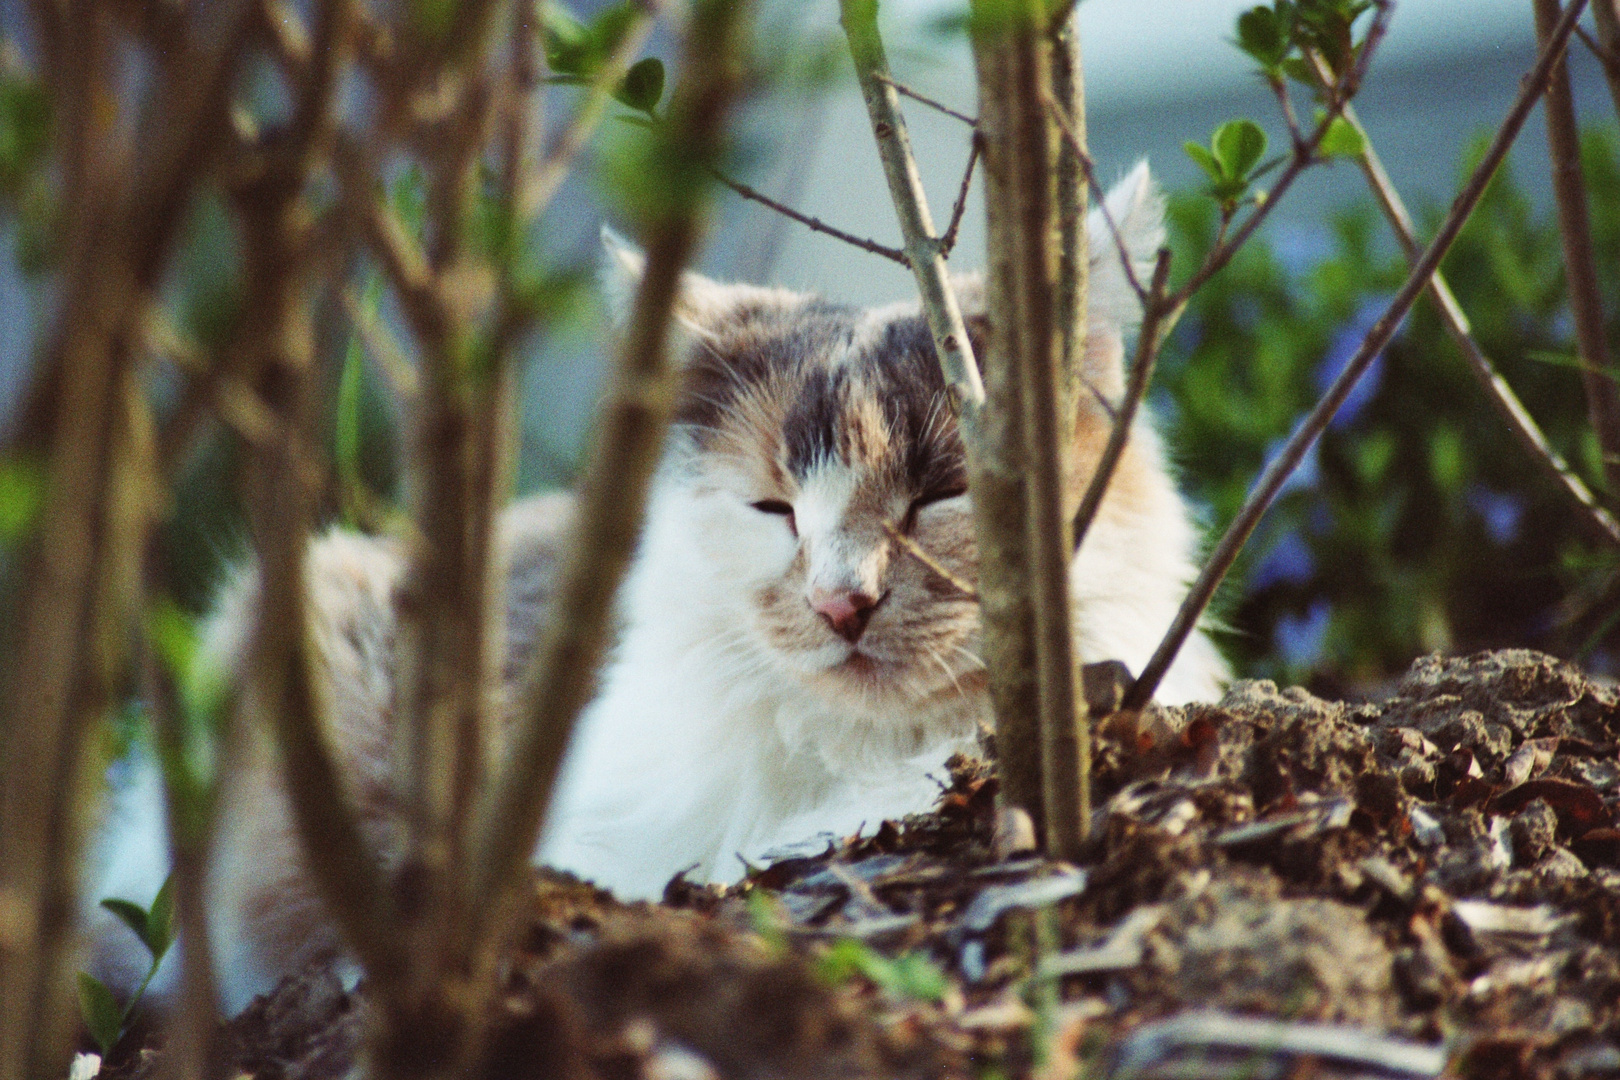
point(154, 926)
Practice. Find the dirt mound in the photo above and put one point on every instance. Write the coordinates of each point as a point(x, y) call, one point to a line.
point(1274, 883)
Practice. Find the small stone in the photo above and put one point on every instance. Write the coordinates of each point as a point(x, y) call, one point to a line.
point(1596, 1059)
point(1534, 832)
point(1015, 833)
point(1569, 1016)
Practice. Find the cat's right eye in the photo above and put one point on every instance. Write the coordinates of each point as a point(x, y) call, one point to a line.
point(781, 509)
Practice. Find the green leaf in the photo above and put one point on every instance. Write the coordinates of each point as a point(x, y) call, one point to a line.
point(22, 497)
point(1264, 36)
point(1300, 70)
point(101, 1013)
point(131, 915)
point(918, 978)
point(160, 921)
point(25, 126)
point(1342, 139)
point(566, 41)
point(643, 85)
point(1205, 160)
point(610, 26)
point(1238, 146)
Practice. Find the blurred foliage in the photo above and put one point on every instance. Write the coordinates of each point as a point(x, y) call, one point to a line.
point(1418, 523)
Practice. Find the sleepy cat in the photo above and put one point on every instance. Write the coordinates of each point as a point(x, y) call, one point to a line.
point(783, 666)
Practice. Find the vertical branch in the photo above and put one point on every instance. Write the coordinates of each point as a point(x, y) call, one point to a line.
point(618, 477)
point(1069, 94)
point(190, 815)
point(1585, 295)
point(1006, 607)
point(121, 206)
point(1154, 310)
point(1271, 480)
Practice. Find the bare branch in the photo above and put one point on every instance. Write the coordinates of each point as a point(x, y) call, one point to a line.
point(1580, 268)
point(381, 344)
point(1271, 480)
point(815, 224)
point(947, 243)
point(1070, 136)
point(926, 100)
point(1606, 13)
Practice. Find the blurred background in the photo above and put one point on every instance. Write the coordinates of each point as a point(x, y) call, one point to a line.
point(1416, 526)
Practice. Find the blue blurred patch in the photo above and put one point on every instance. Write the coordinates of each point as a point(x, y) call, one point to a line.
point(1289, 562)
point(1502, 514)
point(1343, 348)
point(1299, 638)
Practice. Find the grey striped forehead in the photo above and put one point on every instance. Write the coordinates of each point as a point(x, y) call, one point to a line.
point(821, 360)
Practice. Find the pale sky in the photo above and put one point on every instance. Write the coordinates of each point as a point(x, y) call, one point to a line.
point(1115, 36)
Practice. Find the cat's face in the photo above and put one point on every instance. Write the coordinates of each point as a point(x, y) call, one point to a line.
point(817, 472)
point(817, 451)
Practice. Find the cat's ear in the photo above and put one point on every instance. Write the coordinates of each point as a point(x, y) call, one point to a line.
point(703, 303)
point(1136, 208)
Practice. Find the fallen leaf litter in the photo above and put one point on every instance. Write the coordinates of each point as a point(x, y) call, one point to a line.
point(1276, 886)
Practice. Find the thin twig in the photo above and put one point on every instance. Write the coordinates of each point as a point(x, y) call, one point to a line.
point(918, 552)
point(1501, 395)
point(1272, 479)
point(815, 224)
point(926, 100)
point(1303, 157)
point(1147, 351)
point(948, 242)
point(381, 344)
point(1580, 268)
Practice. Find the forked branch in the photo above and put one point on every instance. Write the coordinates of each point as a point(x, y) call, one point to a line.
point(1271, 480)
point(1501, 395)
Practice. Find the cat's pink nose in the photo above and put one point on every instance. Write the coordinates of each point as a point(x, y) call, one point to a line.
point(847, 611)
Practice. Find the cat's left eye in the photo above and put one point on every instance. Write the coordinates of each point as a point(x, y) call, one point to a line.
point(780, 508)
point(929, 498)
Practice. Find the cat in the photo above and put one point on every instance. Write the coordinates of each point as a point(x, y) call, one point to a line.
point(783, 666)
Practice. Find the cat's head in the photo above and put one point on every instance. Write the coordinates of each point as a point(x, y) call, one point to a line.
point(814, 497)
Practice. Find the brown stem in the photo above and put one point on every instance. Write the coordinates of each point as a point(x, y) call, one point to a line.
point(1271, 480)
point(1006, 607)
point(920, 553)
point(947, 243)
point(1030, 154)
point(1585, 294)
point(619, 474)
